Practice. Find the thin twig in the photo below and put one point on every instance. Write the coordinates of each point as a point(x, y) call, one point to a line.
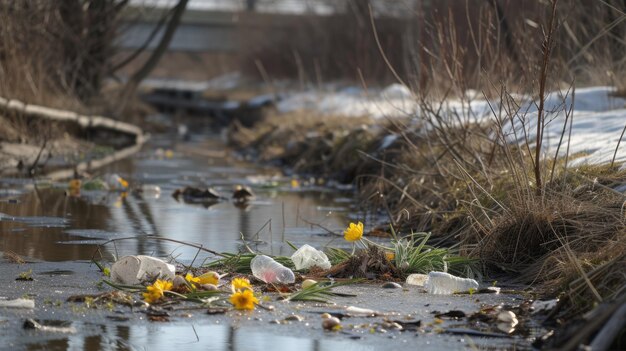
point(198, 246)
point(617, 147)
point(319, 226)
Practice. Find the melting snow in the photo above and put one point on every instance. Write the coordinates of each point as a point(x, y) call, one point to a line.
point(598, 117)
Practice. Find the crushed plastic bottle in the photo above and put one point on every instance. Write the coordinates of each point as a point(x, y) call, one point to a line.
point(307, 256)
point(417, 279)
point(445, 284)
point(133, 270)
point(270, 271)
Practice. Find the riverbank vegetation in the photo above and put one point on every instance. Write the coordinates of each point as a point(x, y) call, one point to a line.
point(496, 192)
point(491, 184)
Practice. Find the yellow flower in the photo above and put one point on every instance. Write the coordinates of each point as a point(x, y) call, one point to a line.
point(240, 284)
point(155, 291)
point(209, 278)
point(123, 182)
point(243, 300)
point(74, 184)
point(390, 256)
point(190, 278)
point(354, 232)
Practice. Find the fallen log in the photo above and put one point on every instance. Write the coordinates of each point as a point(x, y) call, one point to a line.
point(84, 122)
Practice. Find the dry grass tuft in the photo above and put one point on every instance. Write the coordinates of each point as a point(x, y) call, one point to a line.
point(370, 263)
point(539, 228)
point(13, 257)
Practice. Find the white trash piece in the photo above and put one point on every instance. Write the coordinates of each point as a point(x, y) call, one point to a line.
point(270, 271)
point(359, 311)
point(507, 321)
point(540, 306)
point(115, 182)
point(133, 270)
point(417, 279)
point(18, 303)
point(445, 284)
point(307, 256)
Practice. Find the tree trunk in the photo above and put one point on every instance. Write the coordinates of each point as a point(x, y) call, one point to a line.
point(134, 81)
point(87, 38)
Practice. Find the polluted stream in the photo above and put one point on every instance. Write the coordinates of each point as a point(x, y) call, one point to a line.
point(57, 235)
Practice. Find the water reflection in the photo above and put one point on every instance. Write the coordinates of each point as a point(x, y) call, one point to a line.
point(77, 223)
point(189, 337)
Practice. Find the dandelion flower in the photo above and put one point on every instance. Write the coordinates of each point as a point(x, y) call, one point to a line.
point(155, 291)
point(354, 232)
point(209, 278)
point(243, 300)
point(240, 284)
point(191, 279)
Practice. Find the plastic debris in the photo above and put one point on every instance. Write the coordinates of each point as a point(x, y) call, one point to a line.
point(507, 317)
point(115, 182)
point(132, 270)
point(507, 321)
point(307, 256)
point(270, 271)
point(358, 311)
point(445, 284)
point(417, 279)
point(548, 305)
point(18, 303)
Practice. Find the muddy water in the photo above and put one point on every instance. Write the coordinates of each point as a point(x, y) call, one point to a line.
point(38, 220)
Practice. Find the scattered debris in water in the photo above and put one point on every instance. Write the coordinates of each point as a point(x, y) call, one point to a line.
point(18, 303)
point(197, 195)
point(33, 324)
point(331, 323)
point(242, 193)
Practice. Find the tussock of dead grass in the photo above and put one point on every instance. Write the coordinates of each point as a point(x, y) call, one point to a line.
point(540, 226)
